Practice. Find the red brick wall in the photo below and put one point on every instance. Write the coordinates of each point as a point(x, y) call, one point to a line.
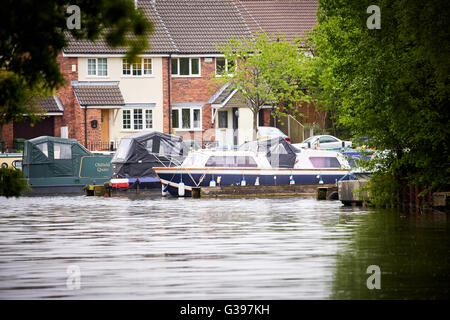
point(72, 111)
point(8, 135)
point(165, 72)
point(192, 89)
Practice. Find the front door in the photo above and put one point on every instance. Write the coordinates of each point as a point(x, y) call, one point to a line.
point(105, 129)
point(224, 129)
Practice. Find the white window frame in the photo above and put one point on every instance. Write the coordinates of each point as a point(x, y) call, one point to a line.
point(177, 75)
point(191, 119)
point(142, 68)
point(226, 66)
point(96, 68)
point(132, 120)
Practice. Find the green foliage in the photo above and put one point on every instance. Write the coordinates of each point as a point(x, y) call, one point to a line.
point(390, 85)
point(12, 182)
point(33, 34)
point(268, 71)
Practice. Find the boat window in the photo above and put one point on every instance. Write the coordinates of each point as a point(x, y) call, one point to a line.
point(149, 145)
point(123, 149)
point(278, 149)
point(164, 148)
point(44, 148)
point(324, 162)
point(243, 161)
point(62, 151)
point(231, 161)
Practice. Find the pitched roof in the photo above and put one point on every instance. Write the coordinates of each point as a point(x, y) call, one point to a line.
point(49, 104)
point(160, 40)
point(196, 26)
point(98, 93)
point(288, 17)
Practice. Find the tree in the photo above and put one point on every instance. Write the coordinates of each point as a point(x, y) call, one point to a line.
point(33, 34)
point(390, 84)
point(268, 71)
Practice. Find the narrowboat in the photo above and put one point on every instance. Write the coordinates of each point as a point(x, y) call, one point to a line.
point(54, 165)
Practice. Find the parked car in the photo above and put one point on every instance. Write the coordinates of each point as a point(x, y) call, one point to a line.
point(271, 132)
point(324, 142)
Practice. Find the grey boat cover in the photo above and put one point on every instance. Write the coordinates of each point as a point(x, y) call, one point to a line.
point(139, 153)
point(279, 152)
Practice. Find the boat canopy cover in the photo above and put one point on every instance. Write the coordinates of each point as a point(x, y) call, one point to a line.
point(279, 152)
point(46, 157)
point(139, 153)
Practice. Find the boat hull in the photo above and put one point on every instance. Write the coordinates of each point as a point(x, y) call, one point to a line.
point(201, 178)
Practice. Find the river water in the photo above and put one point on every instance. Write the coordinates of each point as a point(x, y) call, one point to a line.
point(167, 248)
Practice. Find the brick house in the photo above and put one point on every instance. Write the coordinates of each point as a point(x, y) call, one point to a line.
point(170, 88)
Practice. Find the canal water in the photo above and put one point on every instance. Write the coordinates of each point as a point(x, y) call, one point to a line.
point(166, 248)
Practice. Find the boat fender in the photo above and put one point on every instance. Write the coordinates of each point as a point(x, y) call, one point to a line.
point(320, 181)
point(291, 181)
point(164, 190)
point(212, 183)
point(181, 189)
point(243, 182)
point(257, 181)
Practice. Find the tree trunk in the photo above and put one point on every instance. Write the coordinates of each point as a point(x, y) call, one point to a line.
point(255, 124)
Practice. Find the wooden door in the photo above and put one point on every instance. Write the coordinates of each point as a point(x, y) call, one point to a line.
point(105, 128)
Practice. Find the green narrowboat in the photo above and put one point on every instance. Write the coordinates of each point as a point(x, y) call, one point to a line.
point(54, 165)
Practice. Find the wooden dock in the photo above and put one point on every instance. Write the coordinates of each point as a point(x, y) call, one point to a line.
point(295, 190)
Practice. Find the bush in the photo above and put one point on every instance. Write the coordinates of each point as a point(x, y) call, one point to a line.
point(12, 182)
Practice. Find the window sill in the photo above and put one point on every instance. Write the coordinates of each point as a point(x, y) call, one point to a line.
point(97, 77)
point(187, 130)
point(192, 76)
point(138, 77)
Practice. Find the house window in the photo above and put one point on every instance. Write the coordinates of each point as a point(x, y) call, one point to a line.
point(126, 68)
point(186, 118)
point(147, 66)
point(175, 119)
point(148, 119)
point(98, 67)
point(126, 119)
point(186, 66)
point(223, 119)
point(197, 120)
point(139, 68)
point(137, 119)
point(223, 65)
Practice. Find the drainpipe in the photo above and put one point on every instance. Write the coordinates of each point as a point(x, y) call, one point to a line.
point(85, 126)
point(169, 63)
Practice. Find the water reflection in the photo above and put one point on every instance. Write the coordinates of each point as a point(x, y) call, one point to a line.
point(286, 248)
point(412, 251)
